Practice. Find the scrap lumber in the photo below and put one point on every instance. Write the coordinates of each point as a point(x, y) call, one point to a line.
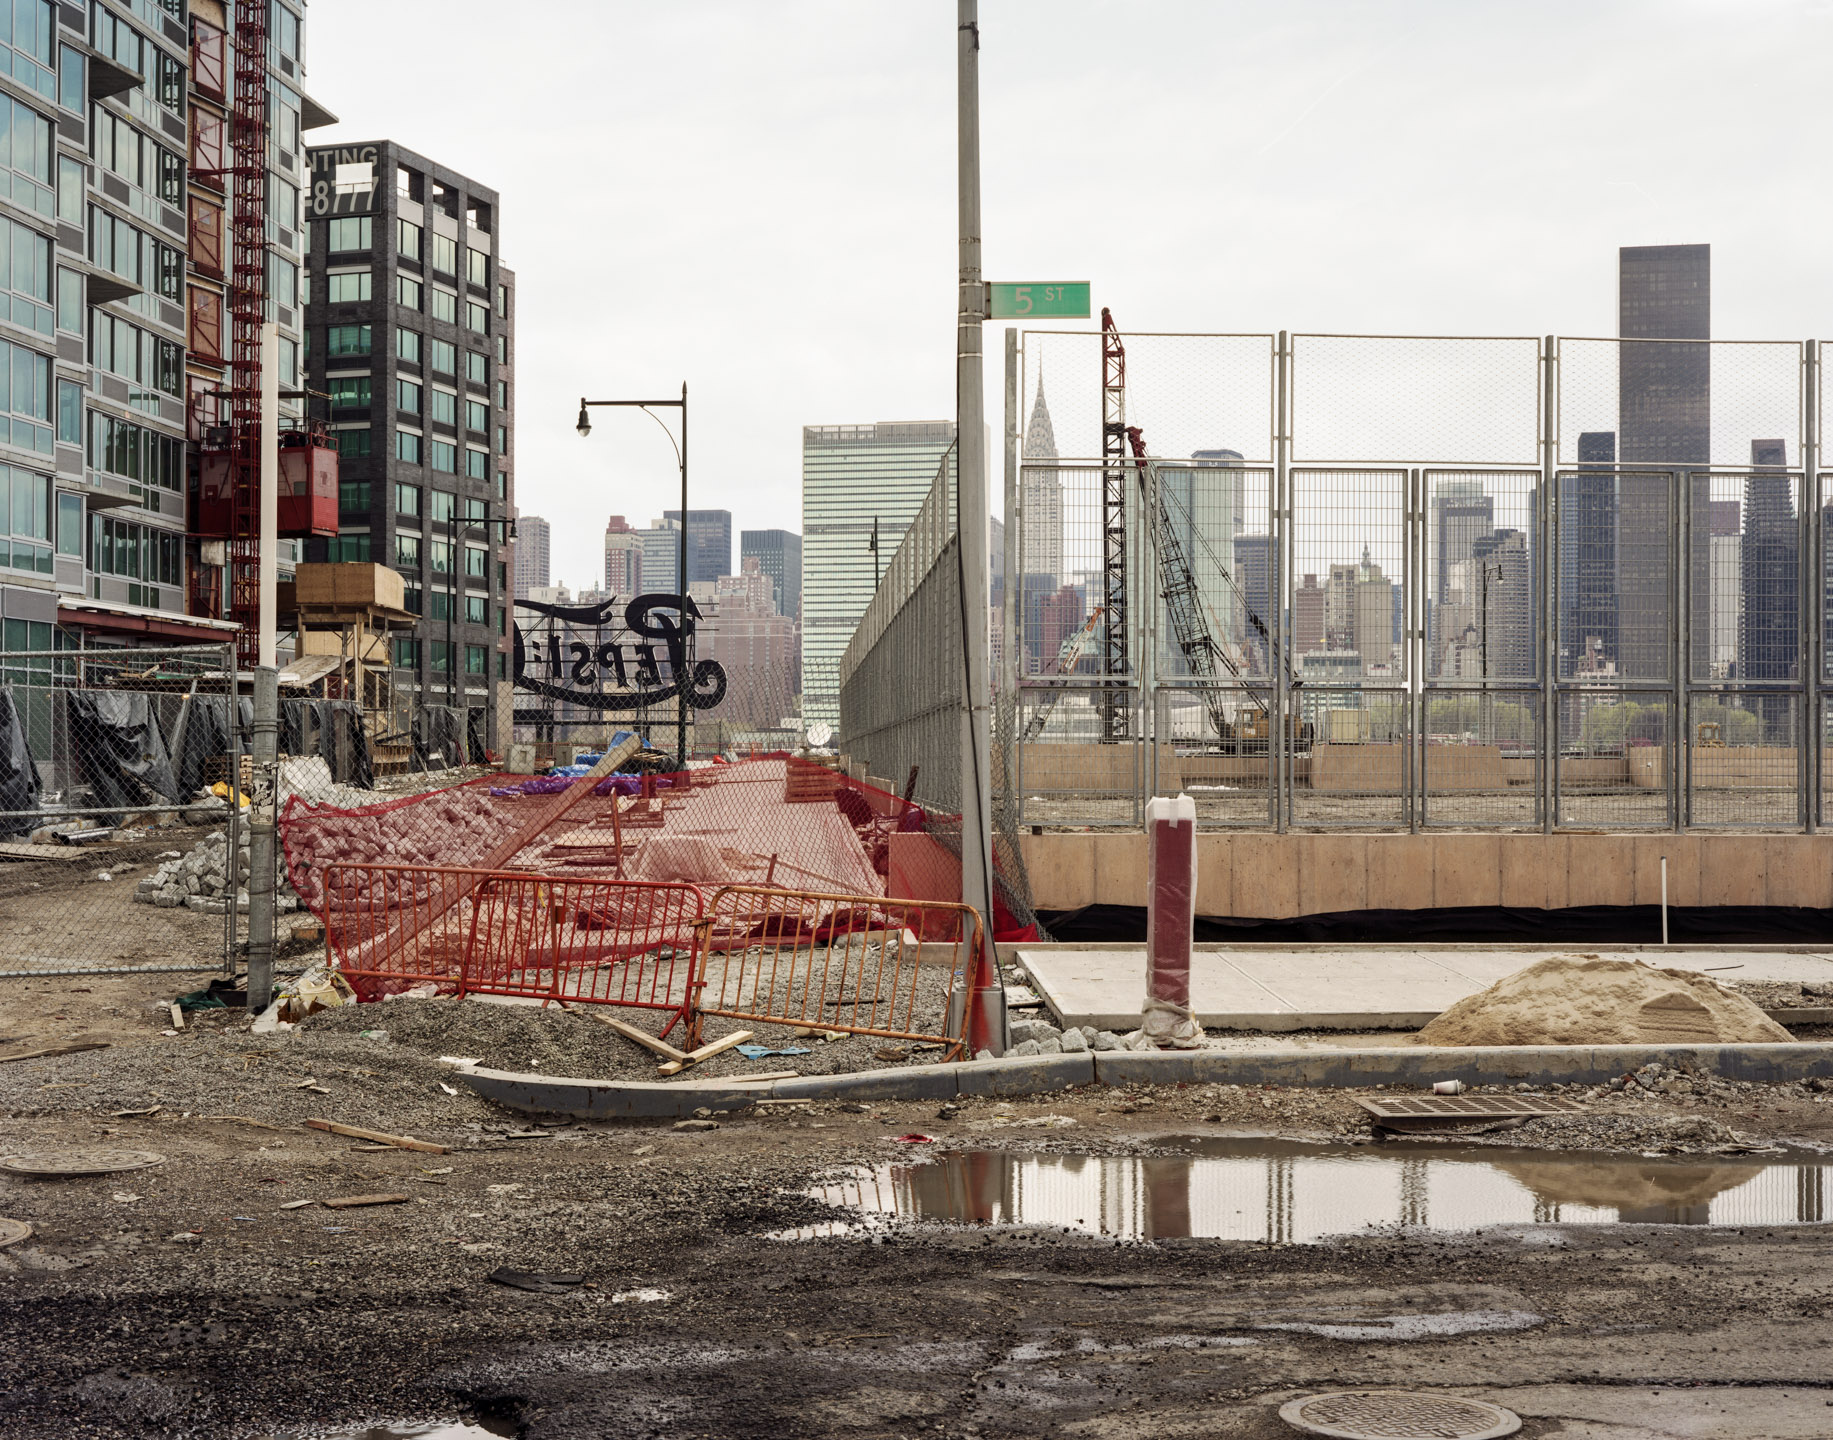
point(70, 1049)
point(705, 1052)
point(357, 1132)
point(346, 1202)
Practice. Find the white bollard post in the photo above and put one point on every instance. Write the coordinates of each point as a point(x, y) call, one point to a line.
point(1171, 872)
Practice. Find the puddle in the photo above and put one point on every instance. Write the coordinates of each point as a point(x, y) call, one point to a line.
point(417, 1430)
point(1288, 1192)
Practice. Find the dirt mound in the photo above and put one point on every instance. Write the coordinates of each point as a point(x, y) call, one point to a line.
point(1585, 1000)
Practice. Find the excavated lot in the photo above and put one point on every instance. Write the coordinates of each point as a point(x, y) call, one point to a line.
point(184, 1300)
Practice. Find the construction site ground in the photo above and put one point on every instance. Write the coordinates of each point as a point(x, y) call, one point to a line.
point(186, 1300)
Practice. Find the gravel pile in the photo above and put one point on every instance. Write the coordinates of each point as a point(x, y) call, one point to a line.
point(201, 880)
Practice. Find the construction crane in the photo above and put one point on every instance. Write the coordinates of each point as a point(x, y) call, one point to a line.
point(1069, 655)
point(1183, 600)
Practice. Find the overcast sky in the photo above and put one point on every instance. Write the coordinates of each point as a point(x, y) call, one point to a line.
point(758, 196)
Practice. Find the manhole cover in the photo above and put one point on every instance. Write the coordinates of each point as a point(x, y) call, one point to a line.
point(78, 1162)
point(1398, 1415)
point(12, 1231)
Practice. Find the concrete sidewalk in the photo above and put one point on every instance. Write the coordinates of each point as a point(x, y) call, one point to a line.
point(1349, 987)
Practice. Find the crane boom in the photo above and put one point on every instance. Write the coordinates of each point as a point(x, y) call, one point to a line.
point(1069, 654)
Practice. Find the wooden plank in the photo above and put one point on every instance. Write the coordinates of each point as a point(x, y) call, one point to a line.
point(346, 1202)
point(69, 1049)
point(20, 850)
point(705, 1052)
point(357, 1132)
point(630, 1032)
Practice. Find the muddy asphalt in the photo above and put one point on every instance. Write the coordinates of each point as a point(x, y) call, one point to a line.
point(185, 1300)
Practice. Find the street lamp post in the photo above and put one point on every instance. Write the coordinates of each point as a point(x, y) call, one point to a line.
point(685, 679)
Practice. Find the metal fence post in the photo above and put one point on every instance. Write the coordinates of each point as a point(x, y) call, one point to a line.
point(1279, 742)
point(261, 843)
point(1680, 759)
point(1412, 667)
point(1811, 587)
point(1547, 514)
point(234, 830)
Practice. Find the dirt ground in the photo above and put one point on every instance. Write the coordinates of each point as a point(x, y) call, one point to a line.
point(184, 1300)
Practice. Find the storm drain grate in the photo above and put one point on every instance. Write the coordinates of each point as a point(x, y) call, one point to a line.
point(1465, 1107)
point(78, 1161)
point(1398, 1415)
point(13, 1231)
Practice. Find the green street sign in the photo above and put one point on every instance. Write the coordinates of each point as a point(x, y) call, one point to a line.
point(1066, 301)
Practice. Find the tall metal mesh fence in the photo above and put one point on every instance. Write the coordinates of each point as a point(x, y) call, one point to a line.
point(1398, 582)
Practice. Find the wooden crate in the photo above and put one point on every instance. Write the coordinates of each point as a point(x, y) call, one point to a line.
point(216, 771)
point(809, 785)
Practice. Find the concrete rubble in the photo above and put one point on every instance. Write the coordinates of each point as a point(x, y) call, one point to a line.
point(200, 880)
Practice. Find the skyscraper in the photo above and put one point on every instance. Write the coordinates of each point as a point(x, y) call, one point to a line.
point(1587, 582)
point(1308, 616)
point(1256, 560)
point(1203, 505)
point(533, 538)
point(1727, 567)
point(623, 558)
point(662, 557)
point(1040, 550)
point(1664, 411)
point(1769, 643)
point(1462, 511)
point(709, 543)
point(853, 477)
point(1502, 581)
point(779, 555)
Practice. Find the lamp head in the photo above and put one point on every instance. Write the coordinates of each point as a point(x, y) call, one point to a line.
point(585, 422)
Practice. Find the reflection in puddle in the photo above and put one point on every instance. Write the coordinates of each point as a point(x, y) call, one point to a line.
point(418, 1430)
point(1285, 1192)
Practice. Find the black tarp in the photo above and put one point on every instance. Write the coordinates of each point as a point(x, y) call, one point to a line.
point(439, 738)
point(200, 736)
point(345, 744)
point(18, 775)
point(119, 749)
point(1469, 925)
point(476, 731)
point(296, 717)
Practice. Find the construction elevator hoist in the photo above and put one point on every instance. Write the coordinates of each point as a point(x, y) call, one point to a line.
point(1124, 454)
point(226, 500)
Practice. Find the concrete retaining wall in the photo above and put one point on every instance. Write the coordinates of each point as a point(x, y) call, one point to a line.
point(1274, 877)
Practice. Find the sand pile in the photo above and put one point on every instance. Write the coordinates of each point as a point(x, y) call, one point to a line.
point(1585, 1000)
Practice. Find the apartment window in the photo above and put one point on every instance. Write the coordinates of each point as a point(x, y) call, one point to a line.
point(502, 349)
point(407, 396)
point(305, 287)
point(445, 254)
point(25, 397)
point(477, 317)
point(502, 439)
point(69, 524)
point(442, 357)
point(439, 605)
point(26, 537)
point(442, 456)
point(411, 599)
point(476, 660)
point(353, 495)
point(502, 301)
point(407, 346)
point(348, 391)
point(477, 416)
point(476, 512)
point(26, 271)
point(502, 666)
point(445, 406)
point(120, 547)
point(171, 76)
point(502, 575)
point(346, 286)
point(346, 549)
point(282, 282)
point(407, 292)
point(445, 507)
point(134, 354)
point(442, 557)
point(407, 239)
point(344, 341)
point(122, 250)
point(120, 447)
point(285, 33)
point(29, 30)
point(477, 562)
point(352, 444)
point(443, 304)
point(71, 178)
point(72, 79)
point(502, 394)
point(407, 447)
point(407, 500)
point(442, 656)
point(477, 266)
point(124, 151)
point(289, 363)
point(502, 620)
point(502, 484)
point(477, 368)
point(477, 464)
point(477, 610)
point(70, 412)
point(407, 653)
point(347, 233)
point(407, 552)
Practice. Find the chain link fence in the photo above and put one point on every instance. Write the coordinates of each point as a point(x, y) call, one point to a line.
point(1387, 582)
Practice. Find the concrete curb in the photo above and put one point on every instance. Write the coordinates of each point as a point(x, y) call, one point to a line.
point(1044, 1074)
